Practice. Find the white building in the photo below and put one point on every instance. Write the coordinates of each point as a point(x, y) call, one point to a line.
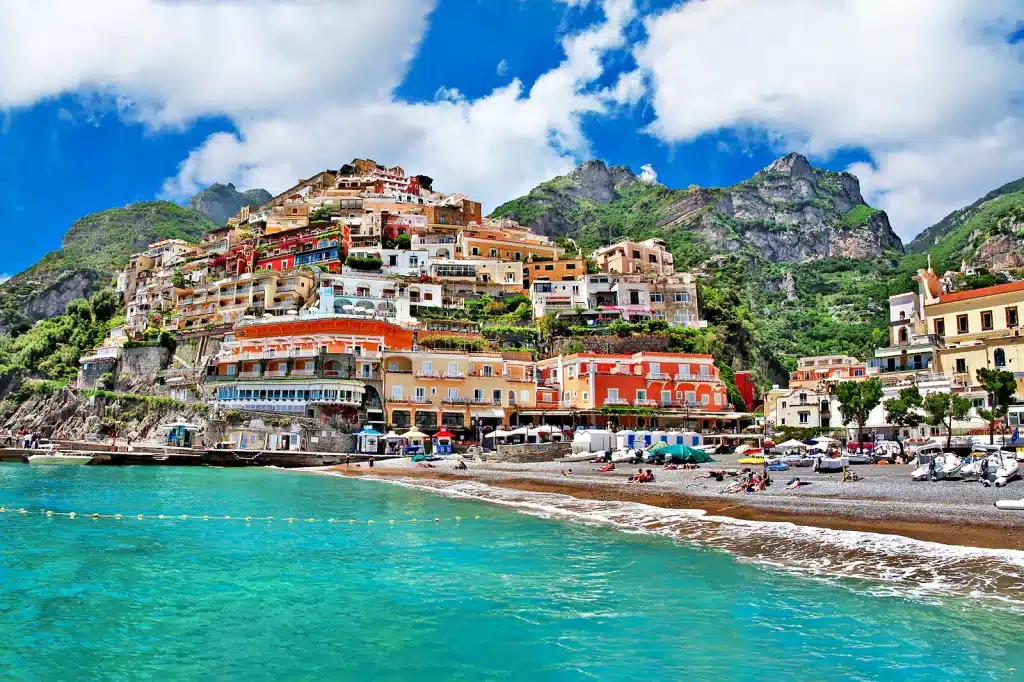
point(407, 263)
point(557, 297)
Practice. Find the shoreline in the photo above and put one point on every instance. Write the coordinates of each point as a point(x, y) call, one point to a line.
point(995, 530)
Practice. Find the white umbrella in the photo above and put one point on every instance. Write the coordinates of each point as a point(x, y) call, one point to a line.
point(521, 431)
point(790, 444)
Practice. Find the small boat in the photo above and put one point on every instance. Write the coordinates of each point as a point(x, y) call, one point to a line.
point(58, 458)
point(999, 469)
point(938, 467)
point(859, 457)
point(1010, 505)
point(580, 457)
point(627, 455)
point(827, 464)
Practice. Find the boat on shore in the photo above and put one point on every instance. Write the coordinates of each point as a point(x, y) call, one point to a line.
point(59, 458)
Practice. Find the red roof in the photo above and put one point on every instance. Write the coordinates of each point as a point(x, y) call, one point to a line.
point(444, 433)
point(980, 293)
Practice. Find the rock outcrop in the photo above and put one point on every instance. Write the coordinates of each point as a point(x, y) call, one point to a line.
point(220, 202)
point(788, 212)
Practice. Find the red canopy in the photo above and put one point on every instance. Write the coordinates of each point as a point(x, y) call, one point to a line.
point(444, 433)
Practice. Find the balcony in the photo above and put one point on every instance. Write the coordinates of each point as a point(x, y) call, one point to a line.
point(304, 372)
point(419, 400)
point(276, 373)
point(645, 403)
point(448, 400)
point(612, 402)
point(426, 374)
point(454, 375)
point(351, 402)
point(250, 375)
point(658, 376)
point(484, 401)
point(517, 379)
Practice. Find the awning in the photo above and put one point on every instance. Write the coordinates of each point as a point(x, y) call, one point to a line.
point(368, 431)
point(413, 434)
point(488, 414)
point(444, 433)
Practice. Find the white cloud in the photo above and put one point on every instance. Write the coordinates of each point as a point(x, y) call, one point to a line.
point(502, 68)
point(648, 174)
point(492, 148)
point(917, 83)
point(306, 92)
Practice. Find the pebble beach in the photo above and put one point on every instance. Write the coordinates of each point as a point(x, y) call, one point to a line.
point(885, 500)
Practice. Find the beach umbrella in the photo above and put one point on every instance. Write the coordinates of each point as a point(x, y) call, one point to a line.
point(790, 444)
point(413, 434)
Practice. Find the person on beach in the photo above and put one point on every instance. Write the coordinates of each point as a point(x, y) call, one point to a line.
point(348, 460)
point(371, 461)
point(649, 477)
point(606, 468)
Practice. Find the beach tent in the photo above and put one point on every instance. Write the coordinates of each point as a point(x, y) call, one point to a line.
point(442, 442)
point(625, 440)
point(368, 439)
point(592, 440)
point(685, 454)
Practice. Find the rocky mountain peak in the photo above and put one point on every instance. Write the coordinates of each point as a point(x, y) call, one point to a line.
point(220, 202)
point(596, 181)
point(793, 164)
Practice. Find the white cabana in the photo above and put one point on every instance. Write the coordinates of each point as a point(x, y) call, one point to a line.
point(592, 440)
point(368, 439)
point(625, 440)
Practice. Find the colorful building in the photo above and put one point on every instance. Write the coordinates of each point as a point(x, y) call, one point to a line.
point(467, 393)
point(652, 389)
point(822, 369)
point(624, 257)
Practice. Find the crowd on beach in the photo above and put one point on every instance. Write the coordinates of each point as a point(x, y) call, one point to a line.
point(30, 440)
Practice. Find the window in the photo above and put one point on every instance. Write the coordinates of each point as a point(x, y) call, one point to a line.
point(421, 393)
point(691, 397)
point(704, 400)
point(586, 396)
point(524, 396)
point(519, 255)
point(681, 298)
point(1011, 317)
point(478, 395)
point(666, 397)
point(961, 366)
point(660, 315)
point(474, 251)
point(453, 368)
point(496, 396)
point(986, 320)
point(487, 371)
point(679, 395)
point(641, 394)
point(549, 267)
point(570, 266)
point(634, 298)
point(636, 254)
point(494, 253)
point(652, 258)
point(783, 404)
point(940, 327)
point(999, 357)
point(453, 394)
point(657, 298)
point(613, 395)
point(511, 397)
point(427, 366)
point(718, 399)
point(805, 417)
point(961, 324)
point(396, 392)
point(231, 370)
point(570, 372)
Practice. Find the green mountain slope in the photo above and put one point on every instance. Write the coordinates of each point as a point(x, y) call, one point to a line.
point(219, 202)
point(935, 234)
point(90, 251)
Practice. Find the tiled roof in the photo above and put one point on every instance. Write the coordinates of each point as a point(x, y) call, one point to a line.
point(981, 293)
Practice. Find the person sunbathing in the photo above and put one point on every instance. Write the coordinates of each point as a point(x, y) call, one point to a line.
point(606, 468)
point(717, 475)
point(567, 472)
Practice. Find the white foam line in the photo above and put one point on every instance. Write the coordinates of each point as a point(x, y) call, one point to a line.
point(895, 564)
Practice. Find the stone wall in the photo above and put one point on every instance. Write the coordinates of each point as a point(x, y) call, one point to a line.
point(613, 344)
point(138, 368)
point(90, 373)
point(533, 452)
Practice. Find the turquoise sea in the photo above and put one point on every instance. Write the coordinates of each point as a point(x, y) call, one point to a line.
point(527, 591)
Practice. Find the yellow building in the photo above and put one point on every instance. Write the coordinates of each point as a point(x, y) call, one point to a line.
point(979, 328)
point(461, 391)
point(223, 303)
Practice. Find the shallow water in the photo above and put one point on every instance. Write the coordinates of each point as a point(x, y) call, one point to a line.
point(508, 596)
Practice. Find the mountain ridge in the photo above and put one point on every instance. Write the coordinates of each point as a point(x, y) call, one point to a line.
point(219, 202)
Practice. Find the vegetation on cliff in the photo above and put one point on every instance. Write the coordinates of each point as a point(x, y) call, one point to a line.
point(219, 202)
point(91, 250)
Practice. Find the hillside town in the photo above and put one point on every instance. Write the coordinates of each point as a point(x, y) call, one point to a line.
point(365, 301)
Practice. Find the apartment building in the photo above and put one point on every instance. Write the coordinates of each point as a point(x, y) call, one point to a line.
point(224, 302)
point(460, 391)
point(553, 271)
point(823, 369)
point(624, 257)
point(912, 351)
point(372, 295)
point(557, 297)
point(674, 300)
point(319, 368)
point(321, 245)
point(682, 389)
point(979, 328)
point(481, 243)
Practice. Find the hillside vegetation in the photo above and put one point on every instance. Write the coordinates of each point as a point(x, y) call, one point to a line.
point(90, 252)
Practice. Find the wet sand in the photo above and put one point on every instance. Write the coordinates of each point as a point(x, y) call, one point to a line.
point(886, 500)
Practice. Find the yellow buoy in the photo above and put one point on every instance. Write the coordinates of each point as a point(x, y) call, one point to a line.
point(310, 520)
point(117, 516)
point(140, 517)
point(458, 518)
point(227, 518)
point(206, 518)
point(248, 518)
point(290, 520)
point(476, 517)
point(71, 515)
point(413, 521)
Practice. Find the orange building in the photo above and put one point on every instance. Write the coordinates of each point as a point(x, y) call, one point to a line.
point(643, 389)
point(827, 368)
point(555, 271)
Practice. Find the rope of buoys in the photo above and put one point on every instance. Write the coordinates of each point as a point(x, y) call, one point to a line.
point(50, 514)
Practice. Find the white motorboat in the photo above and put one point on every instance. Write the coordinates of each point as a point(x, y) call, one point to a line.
point(58, 458)
point(856, 457)
point(626, 455)
point(580, 457)
point(1010, 505)
point(827, 464)
point(971, 469)
point(937, 467)
point(999, 468)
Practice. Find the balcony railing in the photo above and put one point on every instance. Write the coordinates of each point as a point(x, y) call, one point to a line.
point(419, 400)
point(657, 376)
point(427, 374)
point(454, 375)
point(276, 373)
point(250, 375)
point(304, 373)
point(645, 403)
point(615, 401)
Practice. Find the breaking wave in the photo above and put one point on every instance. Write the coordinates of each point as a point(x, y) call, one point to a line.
point(873, 562)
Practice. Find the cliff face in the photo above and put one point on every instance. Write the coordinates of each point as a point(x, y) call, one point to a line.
point(220, 202)
point(91, 250)
point(788, 212)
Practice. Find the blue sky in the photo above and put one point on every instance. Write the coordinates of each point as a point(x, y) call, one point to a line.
point(147, 99)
